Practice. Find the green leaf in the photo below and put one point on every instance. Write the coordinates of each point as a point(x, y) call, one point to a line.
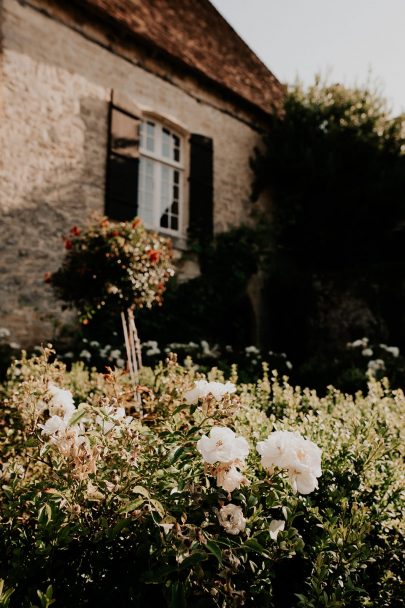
point(158, 506)
point(141, 490)
point(180, 408)
point(254, 545)
point(192, 560)
point(175, 454)
point(77, 416)
point(178, 597)
point(131, 506)
point(252, 501)
point(120, 525)
point(215, 550)
point(157, 575)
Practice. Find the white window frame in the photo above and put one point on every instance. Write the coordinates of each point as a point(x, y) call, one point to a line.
point(158, 161)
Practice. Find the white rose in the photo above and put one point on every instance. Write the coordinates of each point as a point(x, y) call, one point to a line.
point(299, 456)
point(194, 394)
point(302, 479)
point(276, 526)
point(61, 403)
point(231, 518)
point(53, 425)
point(202, 389)
point(222, 446)
point(277, 449)
point(230, 478)
point(219, 390)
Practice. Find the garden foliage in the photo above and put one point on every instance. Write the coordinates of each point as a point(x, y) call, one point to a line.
point(213, 306)
point(335, 165)
point(219, 494)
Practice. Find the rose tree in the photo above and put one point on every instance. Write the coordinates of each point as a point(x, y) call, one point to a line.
point(114, 267)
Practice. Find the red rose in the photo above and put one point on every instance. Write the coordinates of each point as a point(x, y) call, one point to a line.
point(75, 231)
point(68, 244)
point(115, 233)
point(154, 255)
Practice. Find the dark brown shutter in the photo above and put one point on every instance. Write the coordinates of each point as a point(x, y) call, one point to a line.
point(121, 202)
point(201, 211)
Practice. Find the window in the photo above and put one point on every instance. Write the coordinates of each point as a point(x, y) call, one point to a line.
point(146, 174)
point(161, 175)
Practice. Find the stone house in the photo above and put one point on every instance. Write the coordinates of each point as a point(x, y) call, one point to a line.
point(122, 107)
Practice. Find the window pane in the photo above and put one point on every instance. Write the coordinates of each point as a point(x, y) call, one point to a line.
point(166, 143)
point(176, 148)
point(165, 198)
point(146, 190)
point(150, 136)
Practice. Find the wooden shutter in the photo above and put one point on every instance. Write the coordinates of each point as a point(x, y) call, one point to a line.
point(201, 211)
point(121, 201)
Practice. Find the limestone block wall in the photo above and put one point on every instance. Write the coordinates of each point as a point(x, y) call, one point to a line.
point(55, 83)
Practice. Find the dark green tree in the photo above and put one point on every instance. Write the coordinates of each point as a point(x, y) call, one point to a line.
point(335, 164)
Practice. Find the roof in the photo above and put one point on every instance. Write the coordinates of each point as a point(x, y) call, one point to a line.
point(194, 33)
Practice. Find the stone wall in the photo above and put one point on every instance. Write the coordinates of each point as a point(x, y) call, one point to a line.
point(55, 85)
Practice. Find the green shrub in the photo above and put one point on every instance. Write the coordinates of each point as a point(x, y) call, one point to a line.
point(335, 165)
point(128, 506)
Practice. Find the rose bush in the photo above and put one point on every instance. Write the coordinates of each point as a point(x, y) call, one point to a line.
point(112, 266)
point(219, 494)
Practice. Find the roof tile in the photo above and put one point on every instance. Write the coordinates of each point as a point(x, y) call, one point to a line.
point(194, 32)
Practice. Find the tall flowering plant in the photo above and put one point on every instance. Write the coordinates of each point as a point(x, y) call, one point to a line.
point(113, 266)
point(117, 267)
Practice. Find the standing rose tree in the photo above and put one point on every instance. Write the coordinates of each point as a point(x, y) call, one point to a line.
point(116, 267)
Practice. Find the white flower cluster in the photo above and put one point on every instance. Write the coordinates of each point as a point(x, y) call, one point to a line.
point(61, 403)
point(300, 457)
point(202, 389)
point(282, 449)
point(152, 348)
point(368, 352)
point(209, 351)
point(393, 350)
point(114, 356)
point(61, 408)
point(376, 365)
point(361, 343)
point(224, 449)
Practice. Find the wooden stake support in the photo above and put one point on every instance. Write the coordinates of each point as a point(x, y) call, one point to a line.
point(134, 354)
